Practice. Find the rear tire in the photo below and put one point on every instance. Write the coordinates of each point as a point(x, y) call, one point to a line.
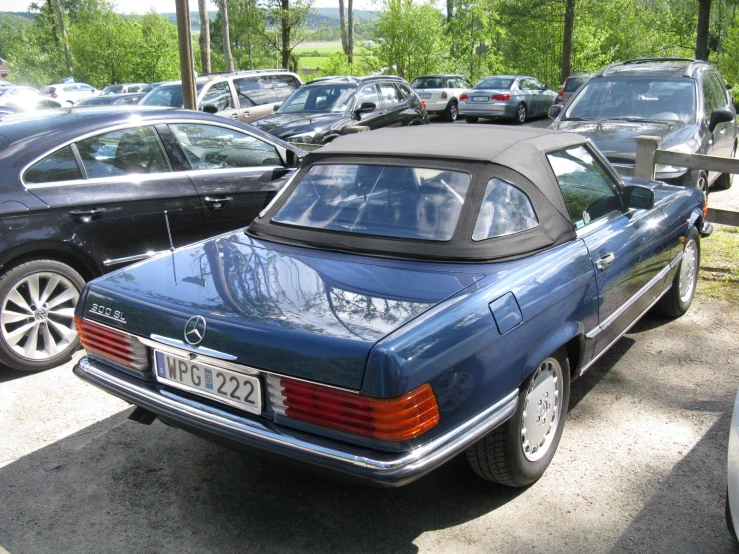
point(729, 520)
point(469, 119)
point(37, 301)
point(677, 300)
point(521, 114)
point(452, 112)
point(518, 452)
point(725, 180)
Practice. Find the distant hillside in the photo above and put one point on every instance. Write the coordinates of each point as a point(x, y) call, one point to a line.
point(323, 17)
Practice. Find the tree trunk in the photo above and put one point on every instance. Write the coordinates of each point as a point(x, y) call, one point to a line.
point(204, 36)
point(567, 40)
point(350, 32)
point(449, 10)
point(701, 41)
point(285, 4)
point(342, 23)
point(63, 32)
point(226, 37)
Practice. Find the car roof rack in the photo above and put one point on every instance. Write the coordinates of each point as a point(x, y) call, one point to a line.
point(245, 71)
point(687, 73)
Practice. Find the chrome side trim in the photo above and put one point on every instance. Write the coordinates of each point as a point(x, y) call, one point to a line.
point(614, 341)
point(634, 299)
point(395, 467)
point(158, 340)
point(134, 258)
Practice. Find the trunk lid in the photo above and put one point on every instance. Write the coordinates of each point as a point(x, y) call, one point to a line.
point(303, 313)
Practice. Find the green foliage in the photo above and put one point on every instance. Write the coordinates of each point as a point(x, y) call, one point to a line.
point(411, 39)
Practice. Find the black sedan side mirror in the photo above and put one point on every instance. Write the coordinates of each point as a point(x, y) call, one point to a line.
point(210, 108)
point(366, 107)
point(555, 110)
point(639, 197)
point(719, 115)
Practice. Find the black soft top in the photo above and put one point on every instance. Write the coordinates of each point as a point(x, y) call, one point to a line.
point(516, 155)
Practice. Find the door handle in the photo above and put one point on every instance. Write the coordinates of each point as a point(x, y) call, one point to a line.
point(246, 113)
point(605, 260)
point(85, 216)
point(722, 131)
point(217, 203)
point(234, 116)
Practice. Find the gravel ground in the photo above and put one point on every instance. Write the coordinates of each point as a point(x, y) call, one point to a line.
point(641, 468)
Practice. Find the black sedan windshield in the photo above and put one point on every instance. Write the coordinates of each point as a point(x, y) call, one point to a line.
point(320, 99)
point(495, 82)
point(635, 99)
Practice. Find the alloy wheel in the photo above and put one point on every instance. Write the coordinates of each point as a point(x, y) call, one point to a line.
point(687, 272)
point(37, 318)
point(542, 409)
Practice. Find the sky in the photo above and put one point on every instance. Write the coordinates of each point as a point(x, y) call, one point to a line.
point(166, 6)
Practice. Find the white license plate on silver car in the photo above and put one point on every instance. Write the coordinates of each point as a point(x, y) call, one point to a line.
point(425, 96)
point(224, 385)
point(480, 98)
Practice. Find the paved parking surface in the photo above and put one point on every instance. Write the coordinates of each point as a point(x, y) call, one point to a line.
point(641, 468)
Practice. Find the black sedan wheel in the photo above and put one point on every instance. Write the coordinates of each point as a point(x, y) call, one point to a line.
point(518, 452)
point(37, 301)
point(678, 299)
point(521, 114)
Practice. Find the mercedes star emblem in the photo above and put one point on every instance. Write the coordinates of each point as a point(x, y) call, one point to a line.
point(195, 330)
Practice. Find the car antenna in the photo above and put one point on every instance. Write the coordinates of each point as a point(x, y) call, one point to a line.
point(171, 246)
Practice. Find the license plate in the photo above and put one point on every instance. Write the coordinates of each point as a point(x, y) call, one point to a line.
point(425, 96)
point(224, 385)
point(480, 98)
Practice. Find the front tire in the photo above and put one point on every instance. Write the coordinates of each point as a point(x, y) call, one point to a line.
point(521, 114)
point(37, 301)
point(725, 180)
point(452, 112)
point(677, 300)
point(518, 452)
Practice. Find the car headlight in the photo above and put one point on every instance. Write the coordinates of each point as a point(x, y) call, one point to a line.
point(302, 137)
point(688, 147)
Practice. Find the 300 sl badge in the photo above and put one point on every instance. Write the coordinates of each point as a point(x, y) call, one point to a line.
point(110, 313)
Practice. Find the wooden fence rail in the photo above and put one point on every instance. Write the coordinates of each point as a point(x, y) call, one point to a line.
point(648, 156)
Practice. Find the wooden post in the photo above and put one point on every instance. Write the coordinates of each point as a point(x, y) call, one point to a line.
point(645, 149)
point(185, 46)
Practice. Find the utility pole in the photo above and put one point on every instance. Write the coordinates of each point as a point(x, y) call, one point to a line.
point(184, 40)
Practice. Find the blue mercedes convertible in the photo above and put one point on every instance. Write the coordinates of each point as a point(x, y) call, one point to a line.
point(408, 296)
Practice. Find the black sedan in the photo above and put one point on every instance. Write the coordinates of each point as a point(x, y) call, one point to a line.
point(326, 108)
point(86, 191)
point(126, 99)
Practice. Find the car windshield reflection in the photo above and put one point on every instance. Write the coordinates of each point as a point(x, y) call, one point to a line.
point(322, 99)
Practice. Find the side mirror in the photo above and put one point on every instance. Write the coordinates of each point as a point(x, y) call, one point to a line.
point(210, 108)
point(544, 87)
point(729, 87)
point(366, 107)
point(555, 110)
point(276, 107)
point(639, 197)
point(292, 158)
point(719, 115)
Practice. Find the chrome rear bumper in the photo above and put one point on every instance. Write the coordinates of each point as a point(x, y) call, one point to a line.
point(382, 468)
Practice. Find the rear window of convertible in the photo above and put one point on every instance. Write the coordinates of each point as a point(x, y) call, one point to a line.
point(391, 201)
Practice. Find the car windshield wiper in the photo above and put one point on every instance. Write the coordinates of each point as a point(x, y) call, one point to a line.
point(577, 119)
point(629, 118)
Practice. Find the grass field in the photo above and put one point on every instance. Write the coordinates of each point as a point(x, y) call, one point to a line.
point(325, 51)
point(719, 274)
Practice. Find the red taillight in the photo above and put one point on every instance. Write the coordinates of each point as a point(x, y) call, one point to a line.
point(464, 96)
point(54, 95)
point(705, 208)
point(423, 103)
point(388, 419)
point(560, 97)
point(443, 95)
point(110, 344)
point(503, 97)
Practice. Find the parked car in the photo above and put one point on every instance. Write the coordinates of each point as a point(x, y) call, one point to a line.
point(441, 93)
point(68, 93)
point(732, 478)
point(243, 95)
point(151, 86)
point(327, 108)
point(515, 97)
point(127, 99)
point(123, 88)
point(683, 101)
point(88, 190)
point(571, 86)
point(406, 298)
point(18, 94)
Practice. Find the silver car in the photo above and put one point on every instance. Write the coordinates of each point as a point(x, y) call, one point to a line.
point(441, 93)
point(516, 97)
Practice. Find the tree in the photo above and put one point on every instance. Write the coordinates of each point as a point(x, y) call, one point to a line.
point(63, 32)
point(702, 30)
point(204, 36)
point(567, 39)
point(223, 4)
point(290, 17)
